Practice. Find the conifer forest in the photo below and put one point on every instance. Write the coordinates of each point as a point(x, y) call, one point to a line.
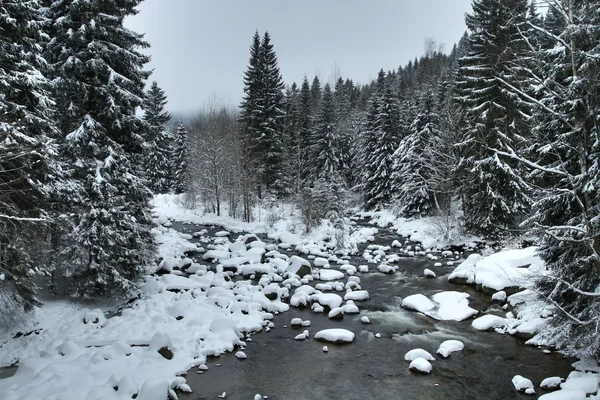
point(127, 231)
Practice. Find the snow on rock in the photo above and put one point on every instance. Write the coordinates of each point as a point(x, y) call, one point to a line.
point(289, 238)
point(499, 271)
point(453, 306)
point(336, 313)
point(428, 273)
point(320, 262)
point(358, 295)
point(499, 296)
point(418, 302)
point(296, 322)
point(335, 336)
point(325, 349)
point(420, 365)
point(330, 300)
point(586, 382)
point(365, 320)
point(241, 355)
point(299, 266)
point(387, 269)
point(330, 275)
point(522, 384)
point(449, 346)
point(154, 390)
point(489, 322)
point(564, 395)
point(418, 353)
point(552, 382)
point(350, 308)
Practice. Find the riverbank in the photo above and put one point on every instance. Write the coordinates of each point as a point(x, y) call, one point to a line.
point(218, 286)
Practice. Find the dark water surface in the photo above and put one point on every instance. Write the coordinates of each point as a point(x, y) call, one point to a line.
point(374, 368)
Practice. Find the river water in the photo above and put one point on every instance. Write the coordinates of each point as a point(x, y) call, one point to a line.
point(374, 368)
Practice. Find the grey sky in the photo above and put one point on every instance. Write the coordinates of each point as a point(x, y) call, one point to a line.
point(201, 47)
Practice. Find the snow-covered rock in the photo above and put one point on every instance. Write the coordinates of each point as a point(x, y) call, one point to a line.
point(335, 336)
point(365, 320)
point(330, 275)
point(420, 365)
point(418, 302)
point(358, 295)
point(449, 346)
point(552, 382)
point(418, 353)
point(523, 384)
point(428, 273)
point(488, 322)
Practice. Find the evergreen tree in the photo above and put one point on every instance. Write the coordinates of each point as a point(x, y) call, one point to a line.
point(305, 126)
point(325, 154)
point(180, 158)
point(495, 196)
point(98, 70)
point(158, 166)
point(565, 174)
point(315, 95)
point(381, 137)
point(26, 166)
point(411, 171)
point(262, 115)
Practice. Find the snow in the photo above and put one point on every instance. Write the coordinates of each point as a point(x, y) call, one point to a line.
point(551, 382)
point(365, 320)
point(522, 384)
point(335, 335)
point(418, 302)
point(330, 275)
point(418, 353)
point(488, 322)
point(241, 355)
point(450, 346)
point(443, 306)
point(428, 273)
point(510, 268)
point(420, 365)
point(358, 295)
point(564, 395)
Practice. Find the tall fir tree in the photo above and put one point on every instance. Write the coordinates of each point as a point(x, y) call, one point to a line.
point(411, 172)
point(98, 70)
point(495, 196)
point(158, 164)
point(26, 154)
point(381, 138)
point(304, 129)
point(324, 147)
point(262, 115)
point(180, 158)
point(564, 173)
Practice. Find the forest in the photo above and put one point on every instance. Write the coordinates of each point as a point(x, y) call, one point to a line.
point(497, 138)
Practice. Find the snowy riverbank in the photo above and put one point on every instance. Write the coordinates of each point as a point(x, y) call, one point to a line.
point(196, 310)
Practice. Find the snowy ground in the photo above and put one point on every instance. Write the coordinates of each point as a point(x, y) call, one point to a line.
point(182, 318)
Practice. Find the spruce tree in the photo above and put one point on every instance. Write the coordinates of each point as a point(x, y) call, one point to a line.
point(495, 196)
point(180, 158)
point(411, 170)
point(381, 138)
point(564, 174)
point(262, 115)
point(158, 165)
point(99, 71)
point(26, 166)
point(324, 149)
point(305, 115)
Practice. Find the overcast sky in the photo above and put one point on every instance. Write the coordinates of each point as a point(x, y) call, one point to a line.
point(201, 47)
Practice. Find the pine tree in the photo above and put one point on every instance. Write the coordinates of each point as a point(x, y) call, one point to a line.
point(98, 69)
point(262, 114)
point(26, 166)
point(158, 166)
point(565, 174)
point(325, 153)
point(304, 129)
point(495, 196)
point(380, 140)
point(180, 157)
point(411, 172)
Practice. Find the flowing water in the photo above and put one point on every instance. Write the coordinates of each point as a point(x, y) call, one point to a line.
point(374, 368)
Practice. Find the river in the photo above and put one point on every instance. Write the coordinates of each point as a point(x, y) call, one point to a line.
point(374, 368)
